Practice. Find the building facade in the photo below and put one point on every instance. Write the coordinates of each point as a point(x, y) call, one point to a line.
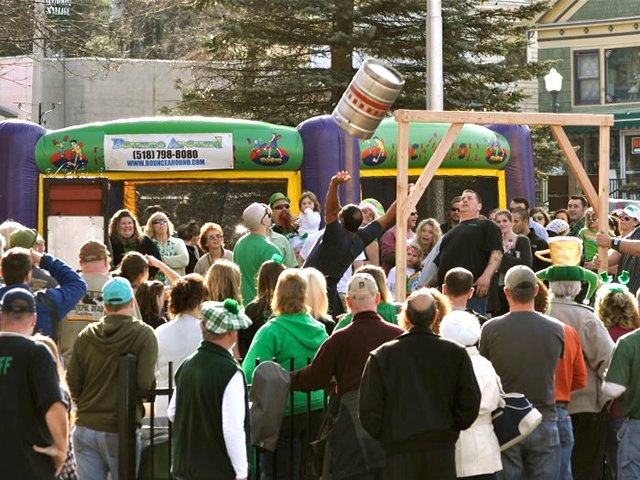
point(596, 44)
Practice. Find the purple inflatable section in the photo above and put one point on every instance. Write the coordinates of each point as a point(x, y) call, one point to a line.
point(19, 179)
point(519, 170)
point(324, 156)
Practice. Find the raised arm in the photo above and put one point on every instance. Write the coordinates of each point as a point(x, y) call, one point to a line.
point(389, 218)
point(170, 273)
point(332, 202)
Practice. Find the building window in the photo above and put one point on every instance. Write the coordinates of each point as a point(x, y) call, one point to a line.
point(622, 74)
point(587, 77)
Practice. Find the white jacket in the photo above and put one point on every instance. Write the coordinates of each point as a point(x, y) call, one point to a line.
point(477, 448)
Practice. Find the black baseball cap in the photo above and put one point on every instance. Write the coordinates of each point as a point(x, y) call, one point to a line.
point(18, 300)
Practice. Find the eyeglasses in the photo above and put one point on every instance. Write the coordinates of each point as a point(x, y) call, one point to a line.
point(267, 213)
point(282, 206)
point(159, 222)
point(214, 236)
point(454, 209)
point(538, 217)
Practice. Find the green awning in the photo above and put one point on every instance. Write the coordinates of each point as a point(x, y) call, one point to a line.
point(622, 120)
point(626, 120)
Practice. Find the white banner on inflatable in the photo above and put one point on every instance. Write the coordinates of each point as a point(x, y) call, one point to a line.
point(180, 151)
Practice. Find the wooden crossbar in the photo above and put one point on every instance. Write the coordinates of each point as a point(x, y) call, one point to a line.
point(406, 201)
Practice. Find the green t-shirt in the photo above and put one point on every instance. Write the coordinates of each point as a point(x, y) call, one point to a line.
point(589, 245)
point(624, 370)
point(387, 311)
point(250, 252)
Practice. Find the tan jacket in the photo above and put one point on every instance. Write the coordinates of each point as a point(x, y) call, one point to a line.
point(596, 346)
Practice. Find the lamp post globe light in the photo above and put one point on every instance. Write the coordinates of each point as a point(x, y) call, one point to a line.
point(553, 85)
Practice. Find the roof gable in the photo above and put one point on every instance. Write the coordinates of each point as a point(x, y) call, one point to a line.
point(570, 11)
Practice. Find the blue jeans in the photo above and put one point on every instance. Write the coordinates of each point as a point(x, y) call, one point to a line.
point(611, 451)
point(97, 453)
point(629, 450)
point(565, 430)
point(479, 304)
point(537, 457)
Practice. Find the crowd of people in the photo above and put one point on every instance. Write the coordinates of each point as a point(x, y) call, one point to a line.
point(412, 386)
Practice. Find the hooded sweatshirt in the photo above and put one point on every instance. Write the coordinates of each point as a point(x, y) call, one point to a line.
point(92, 374)
point(289, 336)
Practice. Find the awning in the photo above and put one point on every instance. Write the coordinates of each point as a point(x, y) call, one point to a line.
point(626, 120)
point(621, 121)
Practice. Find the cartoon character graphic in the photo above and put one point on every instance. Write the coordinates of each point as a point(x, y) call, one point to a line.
point(268, 153)
point(462, 152)
point(374, 154)
point(69, 156)
point(495, 153)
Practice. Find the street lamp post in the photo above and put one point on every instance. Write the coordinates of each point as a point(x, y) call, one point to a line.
point(553, 85)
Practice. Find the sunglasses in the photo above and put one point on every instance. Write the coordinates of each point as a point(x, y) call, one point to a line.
point(538, 217)
point(454, 209)
point(267, 213)
point(214, 236)
point(282, 206)
point(159, 222)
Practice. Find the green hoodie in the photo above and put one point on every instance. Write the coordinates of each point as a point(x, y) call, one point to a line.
point(92, 373)
point(290, 335)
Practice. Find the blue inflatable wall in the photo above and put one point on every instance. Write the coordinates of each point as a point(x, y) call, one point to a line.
point(19, 178)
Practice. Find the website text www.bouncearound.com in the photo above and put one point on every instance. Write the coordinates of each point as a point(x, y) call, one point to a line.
point(166, 163)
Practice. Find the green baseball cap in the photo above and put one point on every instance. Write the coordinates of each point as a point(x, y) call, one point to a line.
point(278, 196)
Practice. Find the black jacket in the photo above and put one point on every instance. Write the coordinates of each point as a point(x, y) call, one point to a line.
point(145, 247)
point(418, 390)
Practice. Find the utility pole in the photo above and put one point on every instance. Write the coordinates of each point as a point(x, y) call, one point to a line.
point(434, 81)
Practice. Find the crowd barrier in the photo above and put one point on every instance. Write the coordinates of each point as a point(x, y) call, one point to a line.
point(155, 461)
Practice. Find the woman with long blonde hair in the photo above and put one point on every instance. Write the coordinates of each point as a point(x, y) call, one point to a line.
point(173, 250)
point(289, 339)
point(223, 281)
point(317, 300)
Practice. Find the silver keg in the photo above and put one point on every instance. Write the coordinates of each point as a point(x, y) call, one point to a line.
point(368, 98)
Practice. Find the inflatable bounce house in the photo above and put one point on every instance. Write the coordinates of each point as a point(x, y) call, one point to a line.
point(209, 169)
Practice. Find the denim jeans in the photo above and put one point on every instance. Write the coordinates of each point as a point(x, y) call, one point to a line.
point(611, 452)
point(565, 430)
point(537, 457)
point(629, 450)
point(97, 453)
point(479, 304)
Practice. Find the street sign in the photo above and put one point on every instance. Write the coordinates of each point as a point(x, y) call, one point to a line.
point(57, 7)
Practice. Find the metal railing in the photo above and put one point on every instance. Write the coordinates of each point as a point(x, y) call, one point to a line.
point(127, 404)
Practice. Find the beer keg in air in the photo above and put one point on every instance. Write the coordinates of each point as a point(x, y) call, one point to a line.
point(368, 98)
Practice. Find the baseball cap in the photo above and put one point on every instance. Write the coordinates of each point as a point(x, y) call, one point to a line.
point(558, 226)
point(632, 211)
point(254, 213)
point(460, 326)
point(18, 300)
point(25, 238)
point(223, 317)
point(278, 196)
point(520, 276)
point(117, 291)
point(92, 251)
point(361, 286)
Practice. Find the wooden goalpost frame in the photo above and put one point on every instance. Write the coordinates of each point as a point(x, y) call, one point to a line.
point(407, 201)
